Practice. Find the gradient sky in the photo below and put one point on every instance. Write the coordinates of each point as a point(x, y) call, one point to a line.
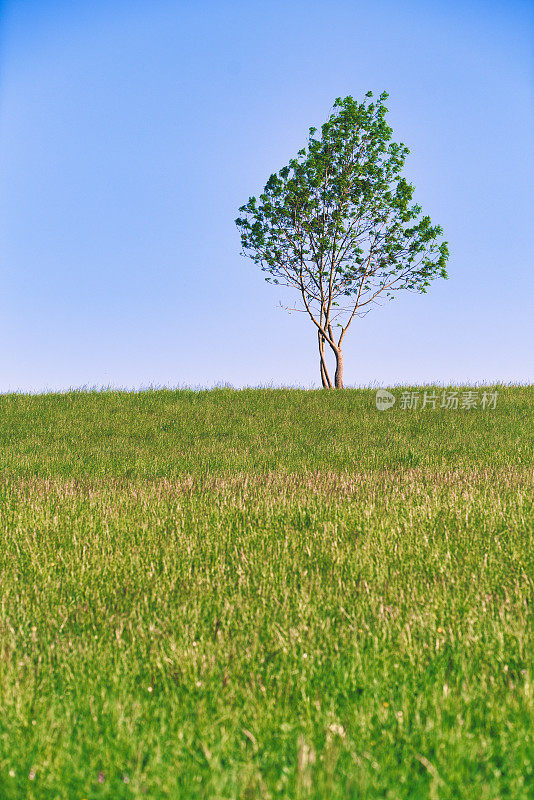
point(130, 132)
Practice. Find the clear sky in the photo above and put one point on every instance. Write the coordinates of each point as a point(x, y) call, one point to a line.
point(131, 132)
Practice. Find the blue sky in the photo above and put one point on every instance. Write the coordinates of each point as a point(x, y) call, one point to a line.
point(130, 132)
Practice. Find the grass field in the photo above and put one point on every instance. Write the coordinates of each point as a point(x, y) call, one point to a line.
point(265, 594)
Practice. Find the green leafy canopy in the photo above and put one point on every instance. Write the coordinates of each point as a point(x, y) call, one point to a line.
point(338, 223)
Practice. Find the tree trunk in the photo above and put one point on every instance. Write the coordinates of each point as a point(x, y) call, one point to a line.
point(339, 369)
point(325, 378)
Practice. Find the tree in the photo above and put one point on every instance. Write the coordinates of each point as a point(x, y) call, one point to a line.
point(337, 225)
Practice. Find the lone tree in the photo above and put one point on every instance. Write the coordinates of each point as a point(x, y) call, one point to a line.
point(337, 225)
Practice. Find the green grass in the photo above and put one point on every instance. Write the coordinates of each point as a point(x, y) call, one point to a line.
point(265, 594)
